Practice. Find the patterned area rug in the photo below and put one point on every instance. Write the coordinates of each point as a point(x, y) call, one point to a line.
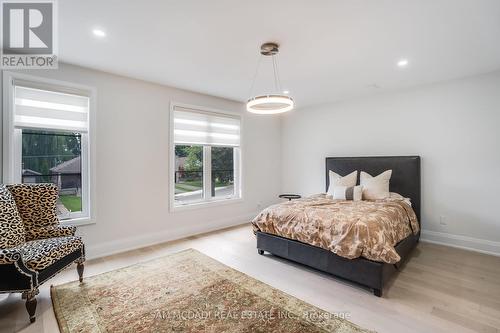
point(185, 292)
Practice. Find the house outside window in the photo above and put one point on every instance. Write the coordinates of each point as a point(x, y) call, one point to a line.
point(47, 140)
point(205, 156)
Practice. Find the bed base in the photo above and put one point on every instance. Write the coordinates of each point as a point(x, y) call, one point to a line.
point(367, 273)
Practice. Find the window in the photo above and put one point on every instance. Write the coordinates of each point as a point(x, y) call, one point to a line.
point(206, 156)
point(188, 173)
point(222, 172)
point(53, 157)
point(48, 142)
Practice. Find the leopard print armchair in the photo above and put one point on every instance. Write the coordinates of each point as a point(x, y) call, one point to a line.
point(33, 245)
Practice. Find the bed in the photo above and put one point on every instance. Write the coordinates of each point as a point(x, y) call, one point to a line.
point(372, 274)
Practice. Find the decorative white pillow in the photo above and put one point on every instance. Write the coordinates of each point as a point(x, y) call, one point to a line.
point(375, 188)
point(337, 180)
point(354, 193)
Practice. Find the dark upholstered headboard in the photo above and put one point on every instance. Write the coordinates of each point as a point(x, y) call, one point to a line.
point(405, 178)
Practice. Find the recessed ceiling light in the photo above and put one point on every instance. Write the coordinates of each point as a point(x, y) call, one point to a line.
point(286, 92)
point(373, 86)
point(403, 63)
point(99, 33)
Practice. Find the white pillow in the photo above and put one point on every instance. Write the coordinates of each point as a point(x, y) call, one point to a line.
point(354, 193)
point(375, 188)
point(337, 180)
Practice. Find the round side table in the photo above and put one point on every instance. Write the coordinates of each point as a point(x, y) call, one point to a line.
point(289, 196)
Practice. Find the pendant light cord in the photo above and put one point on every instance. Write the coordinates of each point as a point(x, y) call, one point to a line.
point(277, 83)
point(255, 76)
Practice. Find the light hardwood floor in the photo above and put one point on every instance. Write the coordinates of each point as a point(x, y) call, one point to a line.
point(441, 289)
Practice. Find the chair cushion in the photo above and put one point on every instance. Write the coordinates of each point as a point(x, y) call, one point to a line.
point(36, 204)
point(55, 231)
point(40, 254)
point(11, 225)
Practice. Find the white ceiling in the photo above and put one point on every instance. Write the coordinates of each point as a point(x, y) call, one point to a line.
point(330, 50)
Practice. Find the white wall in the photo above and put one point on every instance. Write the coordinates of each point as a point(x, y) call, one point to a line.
point(453, 126)
point(132, 123)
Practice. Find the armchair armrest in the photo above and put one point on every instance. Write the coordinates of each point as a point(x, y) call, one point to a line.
point(15, 275)
point(51, 232)
point(9, 256)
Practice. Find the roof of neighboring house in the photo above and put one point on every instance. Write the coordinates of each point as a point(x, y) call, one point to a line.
point(29, 172)
point(71, 166)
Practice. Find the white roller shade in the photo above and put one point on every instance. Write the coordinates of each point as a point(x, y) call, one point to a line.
point(44, 109)
point(203, 128)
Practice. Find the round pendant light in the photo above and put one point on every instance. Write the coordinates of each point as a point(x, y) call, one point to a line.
point(270, 104)
point(273, 102)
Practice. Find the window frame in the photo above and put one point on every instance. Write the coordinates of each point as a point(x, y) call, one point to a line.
point(12, 141)
point(208, 200)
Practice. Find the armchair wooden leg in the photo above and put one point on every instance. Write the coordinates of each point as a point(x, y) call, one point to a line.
point(80, 267)
point(31, 303)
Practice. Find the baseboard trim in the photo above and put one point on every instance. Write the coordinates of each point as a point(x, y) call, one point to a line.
point(461, 242)
point(132, 243)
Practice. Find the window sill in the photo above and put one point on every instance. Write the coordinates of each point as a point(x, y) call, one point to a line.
point(77, 221)
point(204, 204)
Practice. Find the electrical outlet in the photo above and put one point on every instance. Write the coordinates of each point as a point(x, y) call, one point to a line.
point(443, 220)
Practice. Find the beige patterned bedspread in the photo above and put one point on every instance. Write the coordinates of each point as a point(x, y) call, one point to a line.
point(350, 229)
